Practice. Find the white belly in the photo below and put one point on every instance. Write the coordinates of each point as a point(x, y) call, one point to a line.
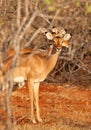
point(38, 80)
point(19, 79)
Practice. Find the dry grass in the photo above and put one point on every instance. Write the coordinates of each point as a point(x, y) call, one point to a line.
point(45, 127)
point(62, 108)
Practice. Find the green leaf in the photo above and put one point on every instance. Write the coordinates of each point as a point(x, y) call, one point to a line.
point(78, 3)
point(51, 8)
point(49, 2)
point(86, 4)
point(88, 9)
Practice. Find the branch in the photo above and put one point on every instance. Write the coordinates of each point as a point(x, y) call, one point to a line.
point(33, 37)
point(18, 12)
point(27, 7)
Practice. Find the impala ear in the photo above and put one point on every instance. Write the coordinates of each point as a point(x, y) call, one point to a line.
point(62, 32)
point(67, 37)
point(49, 36)
point(54, 30)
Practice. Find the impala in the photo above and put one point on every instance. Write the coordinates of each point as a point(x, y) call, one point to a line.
point(35, 67)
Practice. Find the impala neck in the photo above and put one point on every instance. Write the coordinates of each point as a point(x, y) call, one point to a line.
point(52, 59)
point(53, 50)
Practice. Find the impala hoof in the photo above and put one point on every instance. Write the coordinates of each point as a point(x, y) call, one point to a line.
point(34, 121)
point(40, 120)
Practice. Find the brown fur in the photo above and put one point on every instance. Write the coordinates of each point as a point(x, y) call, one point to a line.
point(34, 67)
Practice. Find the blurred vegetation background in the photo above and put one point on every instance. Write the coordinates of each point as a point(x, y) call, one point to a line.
point(20, 23)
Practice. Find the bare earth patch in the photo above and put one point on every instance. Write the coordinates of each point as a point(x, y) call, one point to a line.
point(65, 107)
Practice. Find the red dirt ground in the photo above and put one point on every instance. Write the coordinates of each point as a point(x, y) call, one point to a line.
point(68, 104)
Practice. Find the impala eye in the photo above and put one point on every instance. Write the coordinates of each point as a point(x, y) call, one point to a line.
point(62, 41)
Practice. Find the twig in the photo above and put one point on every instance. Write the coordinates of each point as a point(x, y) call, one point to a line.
point(83, 66)
point(26, 27)
point(20, 28)
point(56, 14)
point(18, 37)
point(65, 58)
point(27, 7)
point(21, 118)
point(44, 17)
point(36, 5)
point(18, 12)
point(33, 37)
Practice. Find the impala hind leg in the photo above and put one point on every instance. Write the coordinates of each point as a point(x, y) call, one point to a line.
point(31, 94)
point(36, 96)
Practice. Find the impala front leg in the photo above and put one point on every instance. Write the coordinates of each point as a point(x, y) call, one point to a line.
point(31, 94)
point(36, 96)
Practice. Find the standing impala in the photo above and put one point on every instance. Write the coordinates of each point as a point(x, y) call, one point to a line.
point(35, 67)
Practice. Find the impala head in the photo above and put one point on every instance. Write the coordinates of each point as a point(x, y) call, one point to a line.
point(58, 38)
